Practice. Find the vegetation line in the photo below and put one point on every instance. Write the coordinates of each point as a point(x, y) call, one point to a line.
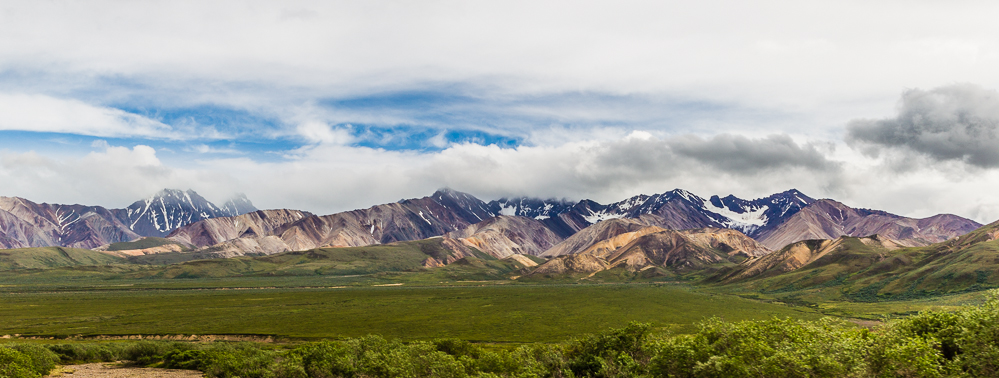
point(930, 344)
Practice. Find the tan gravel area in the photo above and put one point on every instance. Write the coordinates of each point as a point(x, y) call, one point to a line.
point(116, 370)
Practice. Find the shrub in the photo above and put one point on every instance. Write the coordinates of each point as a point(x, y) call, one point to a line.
point(242, 360)
point(15, 364)
point(776, 347)
point(86, 353)
point(42, 359)
point(616, 353)
point(184, 359)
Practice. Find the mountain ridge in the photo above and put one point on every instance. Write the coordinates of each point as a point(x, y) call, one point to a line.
point(26, 224)
point(776, 220)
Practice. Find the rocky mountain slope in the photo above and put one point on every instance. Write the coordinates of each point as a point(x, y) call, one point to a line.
point(169, 209)
point(874, 267)
point(504, 236)
point(636, 246)
point(250, 233)
point(602, 232)
point(448, 211)
point(677, 210)
point(414, 219)
point(775, 221)
point(24, 223)
point(828, 219)
point(796, 255)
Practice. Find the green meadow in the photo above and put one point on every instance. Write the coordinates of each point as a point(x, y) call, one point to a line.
point(383, 290)
point(488, 313)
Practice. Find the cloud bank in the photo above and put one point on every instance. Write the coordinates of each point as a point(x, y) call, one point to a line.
point(958, 122)
point(41, 113)
point(331, 176)
point(329, 106)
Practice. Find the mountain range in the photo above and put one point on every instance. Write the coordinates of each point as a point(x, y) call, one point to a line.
point(533, 226)
point(868, 254)
point(500, 228)
point(24, 223)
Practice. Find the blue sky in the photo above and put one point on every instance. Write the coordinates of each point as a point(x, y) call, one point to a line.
point(330, 106)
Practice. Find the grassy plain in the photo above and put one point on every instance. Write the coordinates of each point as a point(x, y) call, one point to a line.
point(488, 313)
point(351, 292)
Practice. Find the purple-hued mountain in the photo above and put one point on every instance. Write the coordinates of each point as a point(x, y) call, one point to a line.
point(677, 210)
point(24, 223)
point(169, 209)
point(236, 228)
point(455, 215)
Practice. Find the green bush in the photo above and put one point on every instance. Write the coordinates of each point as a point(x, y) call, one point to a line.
point(42, 359)
point(966, 342)
point(777, 347)
point(617, 353)
point(78, 353)
point(373, 356)
point(242, 360)
point(16, 364)
point(184, 359)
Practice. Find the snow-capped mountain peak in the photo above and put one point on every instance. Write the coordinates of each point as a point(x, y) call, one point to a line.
point(678, 208)
point(168, 209)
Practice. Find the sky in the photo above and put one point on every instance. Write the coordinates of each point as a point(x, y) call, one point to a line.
point(331, 106)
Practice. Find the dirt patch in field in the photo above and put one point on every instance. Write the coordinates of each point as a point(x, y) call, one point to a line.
point(197, 338)
point(117, 370)
point(869, 324)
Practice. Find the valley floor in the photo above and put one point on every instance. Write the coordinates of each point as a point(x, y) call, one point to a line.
point(507, 313)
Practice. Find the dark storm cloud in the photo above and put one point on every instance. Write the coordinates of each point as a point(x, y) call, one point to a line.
point(958, 122)
point(738, 154)
point(639, 162)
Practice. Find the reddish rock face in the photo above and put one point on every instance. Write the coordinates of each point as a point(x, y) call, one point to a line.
point(635, 246)
point(505, 236)
point(828, 219)
point(275, 231)
point(27, 224)
point(550, 228)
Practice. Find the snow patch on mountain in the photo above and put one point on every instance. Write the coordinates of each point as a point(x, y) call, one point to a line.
point(602, 216)
point(171, 208)
point(747, 221)
point(508, 210)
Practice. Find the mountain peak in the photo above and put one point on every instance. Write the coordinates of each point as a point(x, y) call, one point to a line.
point(446, 191)
point(448, 194)
point(238, 205)
point(682, 193)
point(168, 192)
point(168, 209)
point(795, 195)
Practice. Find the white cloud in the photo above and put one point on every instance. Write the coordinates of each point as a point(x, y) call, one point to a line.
point(786, 55)
point(329, 177)
point(573, 78)
point(320, 133)
point(206, 149)
point(326, 178)
point(113, 177)
point(49, 114)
